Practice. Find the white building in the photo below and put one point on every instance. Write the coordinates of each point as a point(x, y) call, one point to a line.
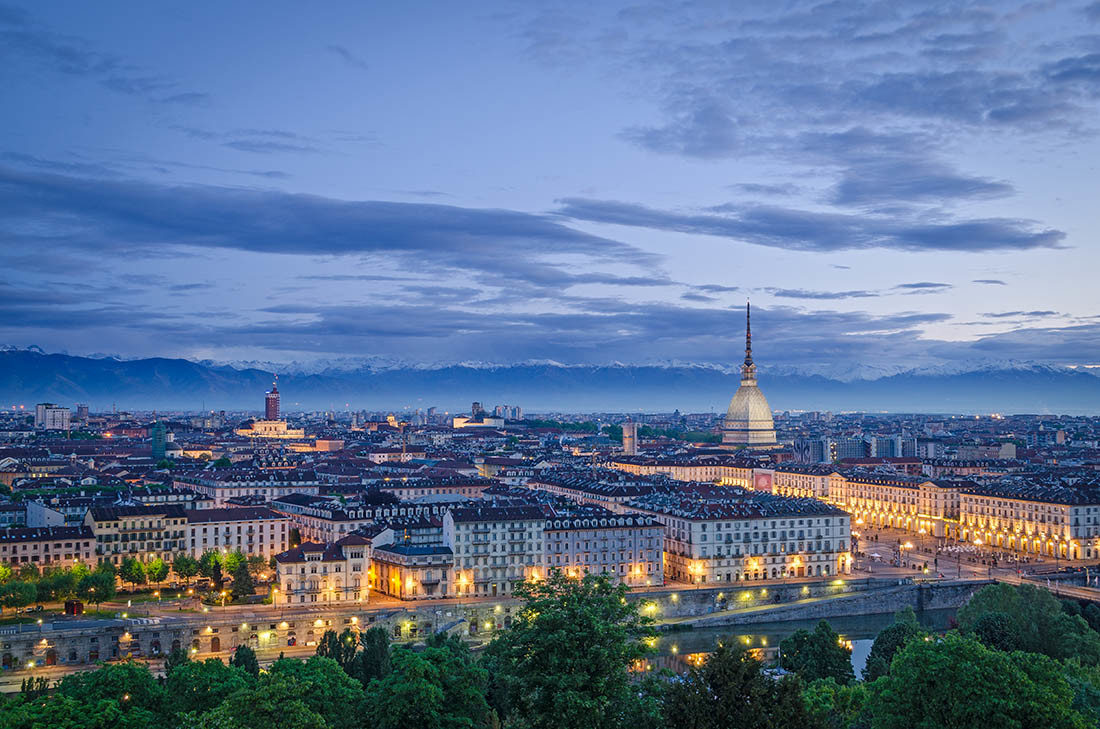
point(495, 547)
point(255, 531)
point(324, 573)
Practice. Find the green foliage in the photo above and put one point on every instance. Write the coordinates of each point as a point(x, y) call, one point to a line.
point(730, 690)
point(185, 566)
point(994, 630)
point(294, 537)
point(243, 586)
point(18, 593)
point(210, 567)
point(234, 561)
point(373, 659)
point(129, 683)
point(585, 427)
point(132, 571)
point(1036, 622)
point(439, 688)
point(328, 691)
point(244, 658)
point(223, 462)
point(62, 712)
point(888, 642)
point(959, 683)
point(275, 701)
point(819, 654)
point(156, 570)
point(565, 662)
point(340, 648)
point(34, 686)
point(5, 573)
point(176, 657)
point(832, 706)
point(200, 686)
point(97, 586)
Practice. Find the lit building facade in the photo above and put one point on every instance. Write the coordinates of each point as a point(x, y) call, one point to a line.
point(255, 531)
point(495, 547)
point(324, 573)
point(1040, 520)
point(749, 421)
point(729, 535)
point(628, 548)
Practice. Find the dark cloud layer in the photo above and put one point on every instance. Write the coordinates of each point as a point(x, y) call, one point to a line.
point(804, 230)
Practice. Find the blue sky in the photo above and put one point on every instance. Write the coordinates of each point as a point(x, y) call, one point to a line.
point(889, 183)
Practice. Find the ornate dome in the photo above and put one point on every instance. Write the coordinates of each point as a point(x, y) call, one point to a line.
point(749, 417)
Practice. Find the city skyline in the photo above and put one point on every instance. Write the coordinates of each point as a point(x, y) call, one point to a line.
point(887, 185)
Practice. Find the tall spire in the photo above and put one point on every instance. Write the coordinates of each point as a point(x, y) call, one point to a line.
point(748, 336)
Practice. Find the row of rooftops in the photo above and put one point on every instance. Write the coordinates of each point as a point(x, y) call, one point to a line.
point(703, 504)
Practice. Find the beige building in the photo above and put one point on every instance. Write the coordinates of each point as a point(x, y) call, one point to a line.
point(51, 546)
point(628, 548)
point(1034, 519)
point(495, 547)
point(271, 429)
point(913, 504)
point(224, 483)
point(724, 470)
point(313, 573)
point(143, 532)
point(730, 535)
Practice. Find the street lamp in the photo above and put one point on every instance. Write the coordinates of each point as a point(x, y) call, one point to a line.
point(224, 593)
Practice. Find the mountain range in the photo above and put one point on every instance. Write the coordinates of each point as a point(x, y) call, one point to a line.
point(29, 375)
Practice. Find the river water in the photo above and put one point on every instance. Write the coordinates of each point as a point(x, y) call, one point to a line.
point(679, 650)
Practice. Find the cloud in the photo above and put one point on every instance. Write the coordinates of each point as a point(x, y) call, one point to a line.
point(924, 286)
point(1008, 314)
point(125, 217)
point(717, 288)
point(1077, 68)
point(752, 188)
point(694, 296)
point(22, 41)
point(804, 230)
point(346, 56)
point(821, 295)
point(268, 146)
point(989, 281)
point(911, 181)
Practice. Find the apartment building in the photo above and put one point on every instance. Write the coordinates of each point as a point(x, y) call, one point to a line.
point(52, 546)
point(255, 531)
point(269, 484)
point(1032, 518)
point(724, 535)
point(628, 548)
point(495, 547)
point(324, 573)
point(143, 532)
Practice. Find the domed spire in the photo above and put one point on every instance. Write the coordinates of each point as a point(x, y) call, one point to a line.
point(748, 335)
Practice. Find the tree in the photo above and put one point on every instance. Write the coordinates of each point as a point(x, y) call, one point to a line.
point(156, 570)
point(565, 662)
point(185, 566)
point(832, 706)
point(243, 586)
point(730, 690)
point(223, 462)
point(274, 702)
point(129, 681)
point(199, 686)
point(440, 687)
point(244, 658)
point(328, 691)
point(889, 641)
point(210, 567)
point(132, 571)
point(994, 630)
point(5, 573)
point(233, 561)
point(959, 683)
point(176, 657)
point(257, 564)
point(340, 648)
point(1036, 622)
point(373, 659)
point(295, 537)
point(97, 586)
point(819, 654)
point(18, 593)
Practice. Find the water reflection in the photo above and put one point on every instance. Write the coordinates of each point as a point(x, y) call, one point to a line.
point(679, 651)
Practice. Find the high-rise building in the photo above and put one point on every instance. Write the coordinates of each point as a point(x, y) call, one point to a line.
point(271, 402)
point(630, 438)
point(849, 448)
point(159, 435)
point(49, 416)
point(82, 412)
point(749, 421)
